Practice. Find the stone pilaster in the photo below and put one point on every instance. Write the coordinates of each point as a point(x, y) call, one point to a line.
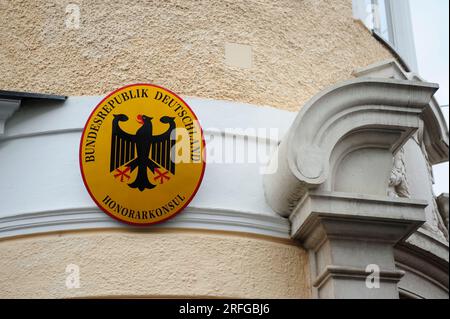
point(351, 242)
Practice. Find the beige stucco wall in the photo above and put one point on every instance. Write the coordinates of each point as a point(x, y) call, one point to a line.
point(155, 263)
point(298, 47)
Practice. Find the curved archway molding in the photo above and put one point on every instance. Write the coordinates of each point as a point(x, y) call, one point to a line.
point(389, 109)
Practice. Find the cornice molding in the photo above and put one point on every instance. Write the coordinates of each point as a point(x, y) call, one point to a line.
point(192, 217)
point(436, 136)
point(372, 218)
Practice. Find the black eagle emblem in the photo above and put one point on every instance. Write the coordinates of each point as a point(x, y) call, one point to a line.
point(142, 150)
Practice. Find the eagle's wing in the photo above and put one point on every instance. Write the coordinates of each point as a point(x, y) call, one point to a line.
point(162, 146)
point(123, 144)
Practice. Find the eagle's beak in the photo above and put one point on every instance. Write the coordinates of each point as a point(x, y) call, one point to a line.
point(140, 119)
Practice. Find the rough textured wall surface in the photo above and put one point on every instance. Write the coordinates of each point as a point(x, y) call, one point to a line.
point(298, 47)
point(156, 264)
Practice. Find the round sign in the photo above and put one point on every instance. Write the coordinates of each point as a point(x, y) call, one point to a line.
point(142, 154)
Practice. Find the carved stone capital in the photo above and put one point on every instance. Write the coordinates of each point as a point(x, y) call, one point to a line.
point(323, 214)
point(347, 235)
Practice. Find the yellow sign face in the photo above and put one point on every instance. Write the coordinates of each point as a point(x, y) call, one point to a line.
point(142, 154)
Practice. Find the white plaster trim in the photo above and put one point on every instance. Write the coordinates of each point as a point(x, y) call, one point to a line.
point(218, 205)
point(214, 115)
point(191, 217)
point(266, 139)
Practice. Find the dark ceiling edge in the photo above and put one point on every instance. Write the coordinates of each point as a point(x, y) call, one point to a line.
point(15, 95)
